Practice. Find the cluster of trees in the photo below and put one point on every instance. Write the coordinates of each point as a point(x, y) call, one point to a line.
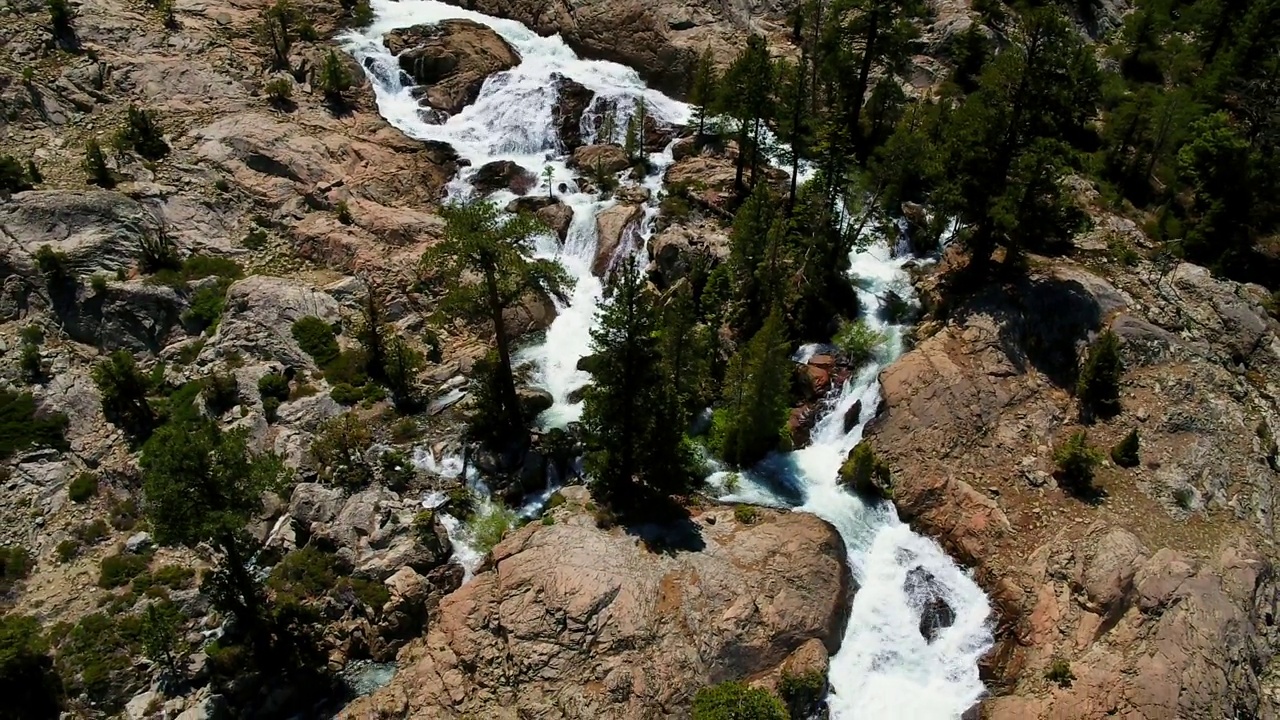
point(1182, 129)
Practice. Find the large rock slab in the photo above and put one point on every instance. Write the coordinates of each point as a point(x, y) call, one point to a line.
point(615, 226)
point(452, 59)
point(572, 621)
point(259, 316)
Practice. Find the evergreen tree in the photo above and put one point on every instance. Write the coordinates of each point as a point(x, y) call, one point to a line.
point(1218, 165)
point(685, 346)
point(756, 406)
point(124, 390)
point(703, 91)
point(203, 486)
point(1098, 387)
point(95, 166)
point(747, 95)
point(334, 79)
point(400, 368)
point(479, 242)
point(631, 417)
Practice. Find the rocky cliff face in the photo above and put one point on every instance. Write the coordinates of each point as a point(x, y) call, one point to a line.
point(572, 621)
point(1158, 595)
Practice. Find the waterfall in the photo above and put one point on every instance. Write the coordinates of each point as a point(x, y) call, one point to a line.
point(885, 668)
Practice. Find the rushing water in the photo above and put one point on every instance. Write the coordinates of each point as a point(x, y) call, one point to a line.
point(885, 668)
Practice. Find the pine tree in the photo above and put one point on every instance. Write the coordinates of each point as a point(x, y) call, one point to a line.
point(1099, 385)
point(747, 95)
point(751, 422)
point(95, 166)
point(124, 389)
point(631, 417)
point(334, 79)
point(480, 242)
point(400, 368)
point(702, 92)
point(685, 346)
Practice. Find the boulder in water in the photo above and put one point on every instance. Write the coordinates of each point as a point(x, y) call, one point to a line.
point(676, 248)
point(535, 313)
point(615, 226)
point(852, 415)
point(936, 614)
point(452, 59)
point(551, 212)
point(503, 175)
point(605, 159)
point(572, 101)
point(800, 425)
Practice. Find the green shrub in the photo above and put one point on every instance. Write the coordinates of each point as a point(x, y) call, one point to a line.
point(23, 427)
point(124, 388)
point(737, 701)
point(90, 533)
point(198, 267)
point(190, 351)
point(304, 574)
point(98, 283)
point(95, 166)
point(60, 17)
point(83, 487)
point(1125, 454)
point(227, 661)
point(341, 452)
point(67, 550)
point(1184, 497)
point(142, 135)
point(273, 385)
point(170, 577)
point(866, 474)
point(361, 13)
point(802, 693)
point(1076, 463)
point(1059, 671)
point(373, 594)
point(96, 660)
point(31, 363)
point(745, 514)
point(857, 341)
point(317, 338)
point(373, 393)
point(333, 79)
point(348, 367)
point(32, 334)
point(28, 682)
point(123, 514)
point(13, 177)
point(120, 570)
point(160, 635)
point(343, 211)
point(53, 264)
point(344, 394)
point(404, 430)
point(271, 408)
point(221, 393)
point(1098, 387)
point(279, 90)
point(256, 239)
point(461, 503)
point(490, 525)
point(15, 565)
point(548, 520)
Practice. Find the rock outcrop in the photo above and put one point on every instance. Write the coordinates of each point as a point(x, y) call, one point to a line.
point(1158, 594)
point(615, 226)
point(607, 159)
point(259, 316)
point(576, 622)
point(451, 60)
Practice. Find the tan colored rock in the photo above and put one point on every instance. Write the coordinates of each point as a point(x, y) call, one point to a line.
point(576, 622)
point(675, 248)
point(615, 227)
point(452, 59)
point(608, 159)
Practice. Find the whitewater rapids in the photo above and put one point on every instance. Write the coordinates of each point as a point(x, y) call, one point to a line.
point(885, 667)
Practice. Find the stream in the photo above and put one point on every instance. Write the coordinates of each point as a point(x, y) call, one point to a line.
point(886, 667)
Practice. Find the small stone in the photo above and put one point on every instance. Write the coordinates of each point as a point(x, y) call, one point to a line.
point(138, 543)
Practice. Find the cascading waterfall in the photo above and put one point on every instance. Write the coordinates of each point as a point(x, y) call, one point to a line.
point(886, 668)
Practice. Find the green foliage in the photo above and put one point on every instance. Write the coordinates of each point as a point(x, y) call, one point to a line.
point(53, 264)
point(256, 239)
point(632, 419)
point(1076, 462)
point(13, 176)
point(1059, 671)
point(340, 451)
point(123, 514)
point(361, 13)
point(756, 404)
point(158, 253)
point(83, 487)
point(304, 574)
point(124, 389)
point(95, 658)
point(67, 550)
point(198, 267)
point(95, 164)
point(865, 473)
point(1125, 453)
point(400, 371)
point(334, 80)
point(745, 514)
point(142, 135)
point(279, 91)
point(161, 637)
point(273, 385)
point(857, 341)
point(404, 430)
point(1098, 387)
point(317, 338)
point(221, 393)
point(490, 525)
point(737, 701)
point(15, 565)
point(90, 533)
point(279, 25)
point(206, 307)
point(747, 95)
point(23, 425)
point(32, 334)
point(343, 211)
point(703, 89)
point(349, 367)
point(344, 394)
point(802, 693)
point(60, 18)
point(480, 242)
point(30, 686)
point(120, 570)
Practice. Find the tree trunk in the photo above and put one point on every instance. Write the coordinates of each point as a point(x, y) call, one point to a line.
point(741, 162)
point(864, 74)
point(506, 377)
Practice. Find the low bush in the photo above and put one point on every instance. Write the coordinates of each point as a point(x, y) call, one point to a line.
point(13, 176)
point(1098, 386)
point(1077, 462)
point(23, 426)
point(90, 533)
point(490, 525)
point(120, 570)
point(316, 338)
point(1125, 454)
point(372, 594)
point(343, 211)
point(67, 551)
point(737, 701)
point(96, 658)
point(341, 452)
point(95, 166)
point(142, 134)
point(15, 565)
point(82, 488)
point(28, 682)
point(304, 574)
point(1059, 671)
point(273, 385)
point(348, 367)
point(857, 341)
point(123, 515)
point(866, 474)
point(745, 514)
point(221, 393)
point(802, 693)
